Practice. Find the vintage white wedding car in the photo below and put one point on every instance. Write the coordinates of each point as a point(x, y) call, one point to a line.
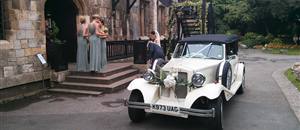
point(203, 72)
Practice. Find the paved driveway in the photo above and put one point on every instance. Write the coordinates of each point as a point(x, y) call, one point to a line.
point(261, 107)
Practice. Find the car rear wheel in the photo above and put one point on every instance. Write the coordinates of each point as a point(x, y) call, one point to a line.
point(217, 121)
point(136, 115)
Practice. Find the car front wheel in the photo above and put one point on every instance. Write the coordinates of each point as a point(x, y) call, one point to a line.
point(136, 115)
point(217, 121)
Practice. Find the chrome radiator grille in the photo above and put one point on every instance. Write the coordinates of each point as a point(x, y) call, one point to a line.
point(181, 85)
point(182, 77)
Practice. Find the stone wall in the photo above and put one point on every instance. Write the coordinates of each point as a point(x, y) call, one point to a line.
point(25, 33)
point(25, 38)
point(117, 21)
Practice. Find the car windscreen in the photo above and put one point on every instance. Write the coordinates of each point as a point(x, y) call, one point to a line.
point(205, 50)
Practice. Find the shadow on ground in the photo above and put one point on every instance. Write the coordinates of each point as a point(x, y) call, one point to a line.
point(52, 97)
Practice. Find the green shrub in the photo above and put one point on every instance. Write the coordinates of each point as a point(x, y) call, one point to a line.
point(249, 35)
point(249, 42)
point(233, 31)
point(269, 38)
point(277, 40)
point(251, 39)
point(221, 27)
point(261, 40)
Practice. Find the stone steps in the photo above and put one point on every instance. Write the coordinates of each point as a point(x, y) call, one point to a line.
point(84, 92)
point(191, 26)
point(115, 77)
point(103, 79)
point(111, 69)
point(108, 88)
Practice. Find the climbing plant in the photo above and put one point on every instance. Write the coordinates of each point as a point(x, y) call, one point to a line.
point(176, 13)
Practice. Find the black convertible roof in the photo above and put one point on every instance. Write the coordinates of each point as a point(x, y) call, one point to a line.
point(212, 38)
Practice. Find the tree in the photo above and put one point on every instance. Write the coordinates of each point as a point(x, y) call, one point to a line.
point(277, 17)
point(270, 16)
point(239, 15)
point(233, 14)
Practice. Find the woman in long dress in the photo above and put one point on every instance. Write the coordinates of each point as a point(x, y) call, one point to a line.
point(96, 48)
point(82, 46)
point(103, 35)
point(94, 45)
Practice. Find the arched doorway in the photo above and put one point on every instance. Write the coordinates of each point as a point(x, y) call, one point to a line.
point(63, 13)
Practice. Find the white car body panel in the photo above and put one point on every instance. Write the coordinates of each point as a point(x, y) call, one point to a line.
point(210, 91)
point(151, 95)
point(149, 91)
point(211, 88)
point(192, 65)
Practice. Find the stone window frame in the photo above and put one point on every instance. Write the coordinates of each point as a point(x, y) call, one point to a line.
point(2, 35)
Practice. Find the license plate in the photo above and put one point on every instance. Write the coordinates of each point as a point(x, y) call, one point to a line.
point(165, 108)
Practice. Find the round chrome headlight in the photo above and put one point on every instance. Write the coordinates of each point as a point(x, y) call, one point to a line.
point(149, 76)
point(198, 80)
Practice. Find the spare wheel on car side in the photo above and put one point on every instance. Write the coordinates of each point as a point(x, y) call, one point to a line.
point(227, 75)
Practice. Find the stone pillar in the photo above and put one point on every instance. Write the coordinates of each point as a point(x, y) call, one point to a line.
point(153, 14)
point(127, 27)
point(134, 21)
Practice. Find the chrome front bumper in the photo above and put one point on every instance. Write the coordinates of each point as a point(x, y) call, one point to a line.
point(186, 111)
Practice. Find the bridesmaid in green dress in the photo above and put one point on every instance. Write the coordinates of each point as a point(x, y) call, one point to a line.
point(82, 46)
point(94, 45)
point(97, 59)
point(103, 35)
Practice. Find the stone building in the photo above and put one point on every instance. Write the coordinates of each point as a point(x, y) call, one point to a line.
point(22, 30)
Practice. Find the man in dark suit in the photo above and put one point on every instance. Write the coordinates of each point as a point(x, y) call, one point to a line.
point(154, 51)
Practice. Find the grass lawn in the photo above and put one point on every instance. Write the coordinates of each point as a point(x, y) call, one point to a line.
point(295, 51)
point(290, 75)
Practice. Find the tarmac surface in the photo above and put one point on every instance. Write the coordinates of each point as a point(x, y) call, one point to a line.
point(263, 106)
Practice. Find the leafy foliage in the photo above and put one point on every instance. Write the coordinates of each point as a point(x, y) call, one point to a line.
point(269, 38)
point(251, 39)
point(276, 17)
point(239, 13)
point(232, 31)
point(269, 18)
point(235, 14)
point(277, 40)
point(53, 33)
point(174, 13)
point(291, 76)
